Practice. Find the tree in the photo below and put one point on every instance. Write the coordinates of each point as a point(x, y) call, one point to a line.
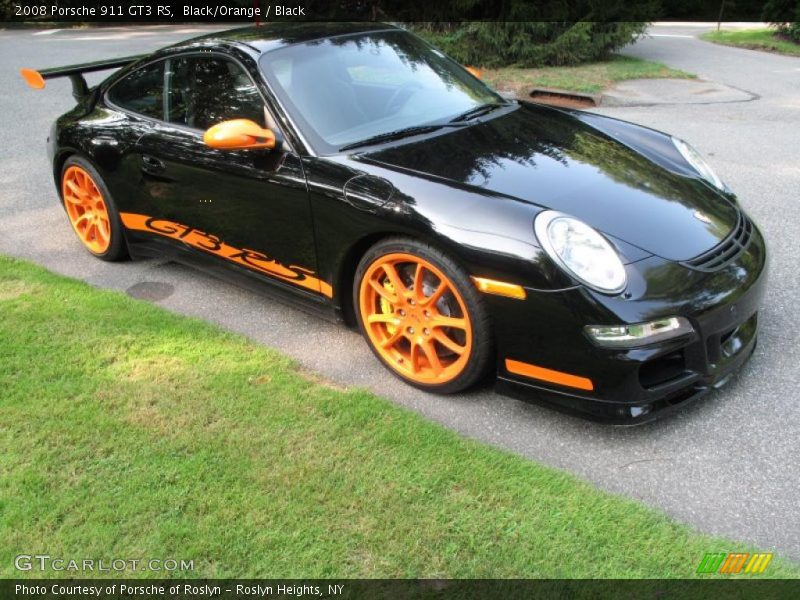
point(785, 15)
point(530, 43)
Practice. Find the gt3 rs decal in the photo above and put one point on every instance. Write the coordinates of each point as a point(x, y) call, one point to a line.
point(208, 242)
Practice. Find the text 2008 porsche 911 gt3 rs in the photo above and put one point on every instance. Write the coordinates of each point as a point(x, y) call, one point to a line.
point(594, 265)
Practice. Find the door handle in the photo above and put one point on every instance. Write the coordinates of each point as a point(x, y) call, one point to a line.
point(151, 164)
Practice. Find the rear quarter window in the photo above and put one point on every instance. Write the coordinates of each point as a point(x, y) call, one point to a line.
point(141, 91)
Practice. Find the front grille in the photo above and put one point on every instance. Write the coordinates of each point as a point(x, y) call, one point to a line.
point(728, 250)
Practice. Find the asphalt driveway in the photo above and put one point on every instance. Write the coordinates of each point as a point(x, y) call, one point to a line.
point(728, 465)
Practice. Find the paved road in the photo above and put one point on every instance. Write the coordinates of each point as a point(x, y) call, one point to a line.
point(728, 465)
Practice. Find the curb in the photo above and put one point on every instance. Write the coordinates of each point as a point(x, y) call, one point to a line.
point(564, 98)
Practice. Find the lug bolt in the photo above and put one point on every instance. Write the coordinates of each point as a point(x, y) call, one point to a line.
point(426, 331)
point(411, 330)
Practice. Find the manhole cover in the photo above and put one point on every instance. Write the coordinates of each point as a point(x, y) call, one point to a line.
point(154, 291)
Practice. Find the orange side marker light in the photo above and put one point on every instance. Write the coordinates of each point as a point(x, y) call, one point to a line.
point(32, 78)
point(499, 288)
point(549, 375)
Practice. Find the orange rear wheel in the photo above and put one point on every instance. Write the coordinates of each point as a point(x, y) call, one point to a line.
point(86, 209)
point(415, 318)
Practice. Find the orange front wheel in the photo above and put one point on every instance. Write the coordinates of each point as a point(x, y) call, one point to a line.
point(89, 209)
point(421, 316)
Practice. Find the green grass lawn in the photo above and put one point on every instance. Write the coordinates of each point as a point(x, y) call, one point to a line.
point(129, 432)
point(755, 39)
point(590, 78)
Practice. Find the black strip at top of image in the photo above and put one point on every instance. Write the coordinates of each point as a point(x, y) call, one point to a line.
point(177, 11)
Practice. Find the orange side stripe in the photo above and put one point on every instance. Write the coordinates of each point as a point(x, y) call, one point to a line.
point(528, 370)
point(210, 243)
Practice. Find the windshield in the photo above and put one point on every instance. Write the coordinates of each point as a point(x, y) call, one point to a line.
point(347, 89)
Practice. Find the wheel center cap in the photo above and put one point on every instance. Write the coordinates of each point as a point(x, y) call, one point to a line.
point(416, 315)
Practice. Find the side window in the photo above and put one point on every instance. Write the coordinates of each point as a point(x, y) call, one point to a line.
point(142, 91)
point(204, 91)
point(179, 91)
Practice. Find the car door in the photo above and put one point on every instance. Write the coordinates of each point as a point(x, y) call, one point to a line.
point(247, 207)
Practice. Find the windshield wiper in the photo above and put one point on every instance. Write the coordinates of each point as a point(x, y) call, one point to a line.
point(399, 134)
point(479, 110)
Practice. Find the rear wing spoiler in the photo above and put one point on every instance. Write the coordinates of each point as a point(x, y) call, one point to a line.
point(36, 79)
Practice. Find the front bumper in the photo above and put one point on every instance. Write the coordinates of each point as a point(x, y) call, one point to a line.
point(635, 385)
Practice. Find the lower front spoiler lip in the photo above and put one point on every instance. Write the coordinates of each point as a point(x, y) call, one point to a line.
point(623, 413)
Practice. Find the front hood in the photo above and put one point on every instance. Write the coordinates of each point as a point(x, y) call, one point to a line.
point(553, 160)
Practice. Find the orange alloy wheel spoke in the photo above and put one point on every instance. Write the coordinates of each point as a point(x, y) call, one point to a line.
point(447, 342)
point(440, 321)
point(425, 338)
point(105, 230)
point(86, 209)
point(392, 339)
point(394, 278)
point(383, 291)
point(415, 351)
point(382, 318)
point(434, 298)
point(419, 287)
point(81, 221)
point(77, 195)
point(433, 358)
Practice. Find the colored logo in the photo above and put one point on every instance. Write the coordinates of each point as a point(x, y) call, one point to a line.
point(734, 562)
point(208, 242)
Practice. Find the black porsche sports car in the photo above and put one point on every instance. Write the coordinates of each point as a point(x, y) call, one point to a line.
point(594, 265)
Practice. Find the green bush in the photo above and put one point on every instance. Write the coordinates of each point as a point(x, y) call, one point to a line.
point(529, 44)
point(785, 15)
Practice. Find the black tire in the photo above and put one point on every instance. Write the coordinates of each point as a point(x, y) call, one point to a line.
point(117, 249)
point(481, 352)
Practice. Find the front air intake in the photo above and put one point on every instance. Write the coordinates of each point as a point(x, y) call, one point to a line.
point(728, 250)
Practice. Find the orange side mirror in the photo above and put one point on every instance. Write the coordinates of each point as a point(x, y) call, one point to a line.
point(476, 72)
point(239, 134)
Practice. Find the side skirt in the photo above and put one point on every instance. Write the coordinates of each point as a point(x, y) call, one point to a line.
point(292, 296)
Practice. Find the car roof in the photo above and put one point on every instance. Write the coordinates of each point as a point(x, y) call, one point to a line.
point(273, 35)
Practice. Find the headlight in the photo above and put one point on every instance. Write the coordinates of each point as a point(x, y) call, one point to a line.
point(700, 165)
point(580, 251)
point(641, 334)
